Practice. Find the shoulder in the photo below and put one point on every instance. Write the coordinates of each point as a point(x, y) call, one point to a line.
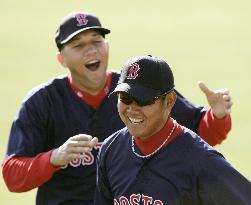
point(41, 98)
point(194, 141)
point(45, 88)
point(193, 147)
point(116, 138)
point(115, 141)
point(115, 79)
point(115, 73)
point(201, 153)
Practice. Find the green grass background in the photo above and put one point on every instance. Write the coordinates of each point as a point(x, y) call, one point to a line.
point(201, 40)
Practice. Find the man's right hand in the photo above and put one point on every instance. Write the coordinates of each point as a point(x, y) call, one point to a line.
point(74, 148)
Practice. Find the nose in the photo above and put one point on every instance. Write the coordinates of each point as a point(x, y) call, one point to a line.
point(133, 107)
point(90, 49)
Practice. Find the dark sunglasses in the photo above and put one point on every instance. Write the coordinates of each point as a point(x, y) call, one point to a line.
point(128, 99)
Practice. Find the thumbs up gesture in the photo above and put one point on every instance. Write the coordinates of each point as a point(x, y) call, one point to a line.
point(219, 100)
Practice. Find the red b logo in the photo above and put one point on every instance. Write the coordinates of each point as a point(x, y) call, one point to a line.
point(134, 68)
point(81, 18)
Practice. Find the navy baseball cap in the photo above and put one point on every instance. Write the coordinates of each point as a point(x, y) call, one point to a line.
point(74, 23)
point(145, 77)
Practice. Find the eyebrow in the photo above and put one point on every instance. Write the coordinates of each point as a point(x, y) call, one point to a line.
point(74, 39)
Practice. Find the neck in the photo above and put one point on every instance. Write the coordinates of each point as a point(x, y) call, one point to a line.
point(94, 100)
point(151, 145)
point(90, 89)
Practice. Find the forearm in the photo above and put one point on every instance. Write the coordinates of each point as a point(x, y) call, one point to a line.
point(25, 173)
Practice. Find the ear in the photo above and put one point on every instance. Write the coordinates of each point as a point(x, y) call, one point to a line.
point(171, 99)
point(60, 58)
point(107, 44)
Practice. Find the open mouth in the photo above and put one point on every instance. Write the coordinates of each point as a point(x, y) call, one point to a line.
point(93, 65)
point(135, 121)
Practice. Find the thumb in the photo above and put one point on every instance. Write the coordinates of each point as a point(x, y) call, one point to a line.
point(95, 140)
point(206, 90)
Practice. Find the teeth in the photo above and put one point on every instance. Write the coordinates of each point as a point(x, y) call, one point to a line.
point(93, 65)
point(93, 61)
point(135, 121)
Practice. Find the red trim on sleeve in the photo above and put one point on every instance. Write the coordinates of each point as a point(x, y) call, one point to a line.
point(214, 130)
point(25, 173)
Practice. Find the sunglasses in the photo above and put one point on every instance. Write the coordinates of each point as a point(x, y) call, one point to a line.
point(128, 99)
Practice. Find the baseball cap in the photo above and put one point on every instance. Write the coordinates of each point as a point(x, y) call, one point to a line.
point(145, 77)
point(74, 23)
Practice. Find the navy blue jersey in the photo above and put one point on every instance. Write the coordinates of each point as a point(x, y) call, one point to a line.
point(52, 113)
point(185, 172)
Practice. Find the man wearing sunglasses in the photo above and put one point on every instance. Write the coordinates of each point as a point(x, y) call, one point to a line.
point(154, 160)
point(66, 116)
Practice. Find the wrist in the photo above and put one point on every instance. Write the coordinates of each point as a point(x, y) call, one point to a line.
point(53, 158)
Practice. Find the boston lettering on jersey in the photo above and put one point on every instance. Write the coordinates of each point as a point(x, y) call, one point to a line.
point(136, 199)
point(88, 159)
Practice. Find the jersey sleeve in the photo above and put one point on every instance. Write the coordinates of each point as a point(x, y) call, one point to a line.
point(214, 130)
point(28, 139)
point(25, 173)
point(220, 183)
point(29, 134)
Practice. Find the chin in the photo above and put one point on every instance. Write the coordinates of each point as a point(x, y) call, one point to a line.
point(136, 134)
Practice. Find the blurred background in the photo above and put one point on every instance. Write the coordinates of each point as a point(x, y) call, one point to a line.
point(201, 40)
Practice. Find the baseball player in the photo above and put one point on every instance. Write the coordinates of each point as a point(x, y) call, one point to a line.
point(154, 160)
point(56, 135)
